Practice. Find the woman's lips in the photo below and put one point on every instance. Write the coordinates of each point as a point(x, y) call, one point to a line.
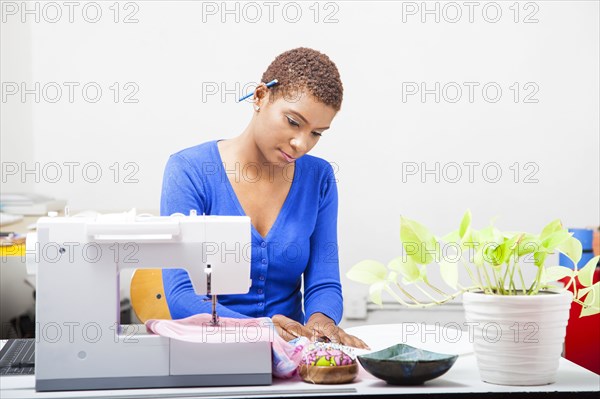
point(287, 157)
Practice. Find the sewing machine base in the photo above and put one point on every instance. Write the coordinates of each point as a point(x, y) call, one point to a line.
point(152, 361)
point(171, 381)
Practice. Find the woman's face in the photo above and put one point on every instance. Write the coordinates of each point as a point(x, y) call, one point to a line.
point(286, 129)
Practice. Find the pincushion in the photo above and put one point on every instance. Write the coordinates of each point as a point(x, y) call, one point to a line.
point(328, 363)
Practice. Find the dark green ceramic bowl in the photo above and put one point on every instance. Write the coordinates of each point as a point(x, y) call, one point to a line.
point(406, 365)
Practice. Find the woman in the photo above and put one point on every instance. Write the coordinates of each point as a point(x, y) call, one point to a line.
point(290, 197)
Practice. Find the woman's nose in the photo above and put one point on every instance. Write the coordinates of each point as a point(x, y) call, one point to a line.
point(299, 145)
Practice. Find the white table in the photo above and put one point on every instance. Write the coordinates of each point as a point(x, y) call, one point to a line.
point(461, 379)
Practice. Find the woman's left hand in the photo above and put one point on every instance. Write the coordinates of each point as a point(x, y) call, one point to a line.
point(323, 326)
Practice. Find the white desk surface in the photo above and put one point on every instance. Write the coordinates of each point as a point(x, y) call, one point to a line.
point(462, 378)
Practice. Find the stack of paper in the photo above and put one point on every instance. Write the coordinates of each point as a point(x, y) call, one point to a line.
point(30, 204)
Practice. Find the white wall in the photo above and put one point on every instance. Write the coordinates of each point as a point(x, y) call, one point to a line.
point(170, 54)
point(16, 117)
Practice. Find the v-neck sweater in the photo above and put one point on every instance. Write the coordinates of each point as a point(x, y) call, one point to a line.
point(301, 244)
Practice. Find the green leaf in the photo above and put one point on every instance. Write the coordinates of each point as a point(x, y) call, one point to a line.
point(555, 273)
point(508, 247)
point(417, 240)
point(591, 302)
point(550, 228)
point(589, 311)
point(367, 272)
point(492, 241)
point(422, 275)
point(406, 267)
point(449, 272)
point(593, 297)
point(552, 240)
point(471, 239)
point(572, 248)
point(493, 255)
point(491, 235)
point(551, 287)
point(452, 237)
point(539, 258)
point(465, 224)
point(392, 277)
point(581, 293)
point(528, 243)
point(511, 234)
point(375, 292)
point(585, 275)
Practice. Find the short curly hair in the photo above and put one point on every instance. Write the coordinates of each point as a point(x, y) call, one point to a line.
point(304, 69)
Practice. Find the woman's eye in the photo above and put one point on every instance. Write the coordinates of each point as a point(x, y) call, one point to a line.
point(292, 122)
point(317, 134)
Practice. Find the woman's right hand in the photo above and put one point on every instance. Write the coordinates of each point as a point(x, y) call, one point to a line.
point(289, 329)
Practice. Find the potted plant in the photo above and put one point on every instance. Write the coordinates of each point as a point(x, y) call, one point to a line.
point(519, 323)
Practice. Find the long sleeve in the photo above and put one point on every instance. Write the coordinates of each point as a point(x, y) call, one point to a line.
point(182, 191)
point(322, 288)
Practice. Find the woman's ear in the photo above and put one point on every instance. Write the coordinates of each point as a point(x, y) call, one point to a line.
point(261, 95)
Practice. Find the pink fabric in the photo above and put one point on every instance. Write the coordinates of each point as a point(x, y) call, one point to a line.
point(198, 328)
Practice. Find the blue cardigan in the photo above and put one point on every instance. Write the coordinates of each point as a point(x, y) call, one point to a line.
point(301, 242)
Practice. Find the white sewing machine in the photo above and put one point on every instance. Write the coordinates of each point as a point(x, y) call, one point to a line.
point(80, 343)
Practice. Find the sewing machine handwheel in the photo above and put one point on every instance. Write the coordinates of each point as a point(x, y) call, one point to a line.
point(147, 295)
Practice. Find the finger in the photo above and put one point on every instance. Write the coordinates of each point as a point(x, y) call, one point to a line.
point(360, 344)
point(334, 338)
point(355, 342)
point(328, 330)
point(287, 335)
point(297, 330)
point(279, 321)
point(281, 332)
point(291, 329)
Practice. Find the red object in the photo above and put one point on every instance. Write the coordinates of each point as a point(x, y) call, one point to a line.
point(582, 343)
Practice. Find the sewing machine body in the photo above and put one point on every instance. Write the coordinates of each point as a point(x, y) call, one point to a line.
point(80, 343)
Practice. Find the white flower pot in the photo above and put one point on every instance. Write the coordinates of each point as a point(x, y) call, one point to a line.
point(518, 340)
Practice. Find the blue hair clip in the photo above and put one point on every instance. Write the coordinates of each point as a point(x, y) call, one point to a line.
point(269, 85)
